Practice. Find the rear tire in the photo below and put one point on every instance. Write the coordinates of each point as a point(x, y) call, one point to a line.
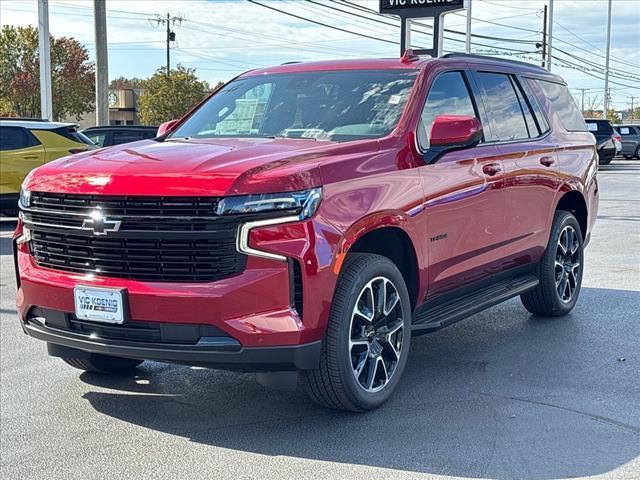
point(104, 364)
point(637, 154)
point(605, 161)
point(368, 336)
point(559, 271)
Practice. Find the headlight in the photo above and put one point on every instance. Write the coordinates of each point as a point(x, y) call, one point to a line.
point(303, 203)
point(24, 201)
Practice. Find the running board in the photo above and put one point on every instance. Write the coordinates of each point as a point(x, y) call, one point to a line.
point(429, 318)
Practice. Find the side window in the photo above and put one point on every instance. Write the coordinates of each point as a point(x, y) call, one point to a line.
point(125, 137)
point(97, 138)
point(624, 131)
point(448, 95)
point(541, 120)
point(506, 119)
point(532, 127)
point(15, 138)
point(564, 105)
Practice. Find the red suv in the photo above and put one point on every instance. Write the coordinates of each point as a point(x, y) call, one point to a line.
point(307, 220)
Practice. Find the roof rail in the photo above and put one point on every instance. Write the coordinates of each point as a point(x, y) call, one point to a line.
point(25, 119)
point(485, 57)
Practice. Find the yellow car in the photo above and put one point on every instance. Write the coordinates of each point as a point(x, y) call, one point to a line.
point(27, 144)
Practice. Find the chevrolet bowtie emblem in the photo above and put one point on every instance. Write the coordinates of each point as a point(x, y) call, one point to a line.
point(99, 224)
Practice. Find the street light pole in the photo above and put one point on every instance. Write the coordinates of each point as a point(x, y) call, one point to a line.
point(44, 49)
point(468, 39)
point(102, 62)
point(606, 68)
point(550, 42)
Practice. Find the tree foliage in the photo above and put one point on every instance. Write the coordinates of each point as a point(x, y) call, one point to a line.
point(123, 83)
point(167, 97)
point(72, 74)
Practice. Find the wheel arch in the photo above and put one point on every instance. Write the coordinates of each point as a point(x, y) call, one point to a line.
point(570, 199)
point(390, 236)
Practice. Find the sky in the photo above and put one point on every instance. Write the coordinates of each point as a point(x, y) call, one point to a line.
point(221, 39)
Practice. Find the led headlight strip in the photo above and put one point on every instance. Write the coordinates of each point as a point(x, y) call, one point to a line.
point(308, 201)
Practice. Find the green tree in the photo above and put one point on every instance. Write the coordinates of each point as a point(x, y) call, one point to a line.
point(166, 97)
point(72, 74)
point(612, 116)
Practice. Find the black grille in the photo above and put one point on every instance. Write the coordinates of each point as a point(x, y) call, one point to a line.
point(131, 331)
point(126, 205)
point(159, 239)
point(297, 287)
point(143, 259)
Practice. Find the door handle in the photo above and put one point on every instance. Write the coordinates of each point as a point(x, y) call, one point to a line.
point(30, 157)
point(491, 169)
point(547, 161)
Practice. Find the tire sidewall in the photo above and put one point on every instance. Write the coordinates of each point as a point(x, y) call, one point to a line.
point(561, 220)
point(341, 320)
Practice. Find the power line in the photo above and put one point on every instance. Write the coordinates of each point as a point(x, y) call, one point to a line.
point(510, 6)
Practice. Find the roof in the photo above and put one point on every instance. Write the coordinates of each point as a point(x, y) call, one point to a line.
point(120, 127)
point(351, 64)
point(404, 64)
point(35, 124)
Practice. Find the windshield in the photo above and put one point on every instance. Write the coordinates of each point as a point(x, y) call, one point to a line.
point(328, 105)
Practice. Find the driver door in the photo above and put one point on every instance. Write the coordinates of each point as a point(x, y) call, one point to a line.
point(464, 196)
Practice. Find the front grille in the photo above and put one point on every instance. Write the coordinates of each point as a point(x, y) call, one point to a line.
point(176, 240)
point(125, 205)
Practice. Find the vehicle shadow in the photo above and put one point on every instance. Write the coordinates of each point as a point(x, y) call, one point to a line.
point(503, 395)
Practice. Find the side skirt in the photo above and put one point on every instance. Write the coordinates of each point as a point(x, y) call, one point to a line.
point(441, 312)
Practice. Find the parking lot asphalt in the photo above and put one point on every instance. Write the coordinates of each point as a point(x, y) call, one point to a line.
point(502, 395)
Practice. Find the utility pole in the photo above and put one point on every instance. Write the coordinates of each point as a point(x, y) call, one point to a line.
point(544, 37)
point(606, 68)
point(102, 62)
point(582, 90)
point(468, 39)
point(550, 43)
point(44, 50)
point(632, 113)
point(169, 21)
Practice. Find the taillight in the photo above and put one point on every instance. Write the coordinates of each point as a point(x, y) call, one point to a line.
point(617, 137)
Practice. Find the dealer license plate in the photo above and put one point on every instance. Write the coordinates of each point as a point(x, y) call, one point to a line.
point(99, 304)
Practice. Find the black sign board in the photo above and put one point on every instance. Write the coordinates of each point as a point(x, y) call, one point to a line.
point(419, 8)
point(408, 9)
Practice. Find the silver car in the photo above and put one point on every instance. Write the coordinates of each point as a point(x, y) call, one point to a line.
point(630, 140)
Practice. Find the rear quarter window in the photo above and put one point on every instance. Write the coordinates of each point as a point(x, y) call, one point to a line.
point(564, 105)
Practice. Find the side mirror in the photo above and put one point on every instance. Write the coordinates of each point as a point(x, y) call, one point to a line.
point(166, 127)
point(452, 132)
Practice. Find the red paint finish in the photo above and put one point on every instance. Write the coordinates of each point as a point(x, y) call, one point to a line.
point(470, 214)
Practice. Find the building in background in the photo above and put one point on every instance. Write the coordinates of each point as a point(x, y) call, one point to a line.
point(123, 109)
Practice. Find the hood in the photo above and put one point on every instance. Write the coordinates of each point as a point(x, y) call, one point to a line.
point(213, 167)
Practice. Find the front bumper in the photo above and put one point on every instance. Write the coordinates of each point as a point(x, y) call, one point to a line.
point(218, 351)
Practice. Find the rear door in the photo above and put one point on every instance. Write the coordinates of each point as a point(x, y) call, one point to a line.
point(464, 193)
point(528, 154)
point(20, 152)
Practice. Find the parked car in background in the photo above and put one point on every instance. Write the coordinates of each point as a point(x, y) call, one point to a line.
point(28, 143)
point(630, 134)
point(605, 138)
point(306, 220)
point(117, 134)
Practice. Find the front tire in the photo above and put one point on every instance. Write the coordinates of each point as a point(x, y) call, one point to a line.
point(368, 336)
point(559, 271)
point(104, 364)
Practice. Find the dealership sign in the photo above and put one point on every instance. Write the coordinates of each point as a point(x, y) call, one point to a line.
point(409, 9)
point(419, 8)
